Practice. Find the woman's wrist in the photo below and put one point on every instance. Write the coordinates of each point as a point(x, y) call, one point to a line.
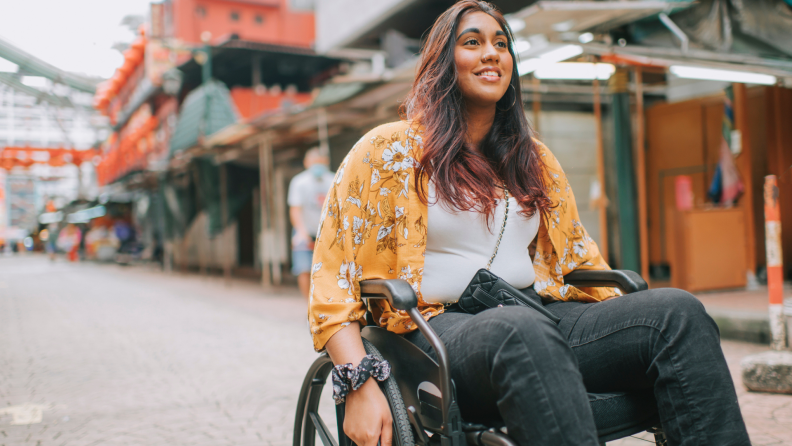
point(347, 378)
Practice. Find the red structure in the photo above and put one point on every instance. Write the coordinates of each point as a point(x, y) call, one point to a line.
point(12, 157)
point(143, 115)
point(119, 87)
point(250, 103)
point(265, 21)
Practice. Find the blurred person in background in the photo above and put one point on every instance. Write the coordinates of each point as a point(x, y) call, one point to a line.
point(101, 242)
point(69, 239)
point(49, 235)
point(48, 238)
point(125, 233)
point(307, 193)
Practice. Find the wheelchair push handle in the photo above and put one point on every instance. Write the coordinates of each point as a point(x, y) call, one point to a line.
point(399, 293)
point(625, 280)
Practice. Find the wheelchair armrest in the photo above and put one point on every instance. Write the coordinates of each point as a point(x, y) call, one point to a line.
point(625, 280)
point(401, 296)
point(399, 293)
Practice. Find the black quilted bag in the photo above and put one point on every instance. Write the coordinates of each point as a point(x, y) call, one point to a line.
point(486, 290)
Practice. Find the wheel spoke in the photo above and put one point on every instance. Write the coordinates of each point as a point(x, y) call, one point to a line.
point(321, 429)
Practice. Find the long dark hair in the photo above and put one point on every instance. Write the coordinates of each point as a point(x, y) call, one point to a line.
point(464, 177)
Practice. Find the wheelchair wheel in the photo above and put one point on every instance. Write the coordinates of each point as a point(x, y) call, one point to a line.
point(315, 400)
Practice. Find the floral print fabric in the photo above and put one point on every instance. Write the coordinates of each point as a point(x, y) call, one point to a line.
point(374, 226)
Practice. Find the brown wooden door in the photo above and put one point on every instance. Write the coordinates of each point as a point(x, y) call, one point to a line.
point(681, 140)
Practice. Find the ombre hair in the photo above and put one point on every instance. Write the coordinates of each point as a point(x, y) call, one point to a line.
point(464, 177)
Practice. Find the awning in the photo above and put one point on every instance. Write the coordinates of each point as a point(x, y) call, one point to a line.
point(553, 17)
point(665, 57)
point(235, 61)
point(334, 93)
point(206, 110)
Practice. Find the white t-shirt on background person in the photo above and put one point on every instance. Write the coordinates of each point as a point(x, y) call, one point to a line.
point(309, 192)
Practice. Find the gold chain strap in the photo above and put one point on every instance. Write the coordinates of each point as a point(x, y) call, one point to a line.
point(503, 228)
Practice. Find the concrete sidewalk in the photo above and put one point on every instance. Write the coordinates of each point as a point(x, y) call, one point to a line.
point(742, 315)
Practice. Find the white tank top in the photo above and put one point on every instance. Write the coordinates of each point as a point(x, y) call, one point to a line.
point(459, 244)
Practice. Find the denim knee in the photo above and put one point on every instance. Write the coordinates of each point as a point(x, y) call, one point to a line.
point(682, 309)
point(680, 302)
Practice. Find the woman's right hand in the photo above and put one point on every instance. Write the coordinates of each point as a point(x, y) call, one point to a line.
point(367, 418)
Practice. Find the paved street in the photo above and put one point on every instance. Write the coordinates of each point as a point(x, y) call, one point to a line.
point(105, 355)
point(119, 355)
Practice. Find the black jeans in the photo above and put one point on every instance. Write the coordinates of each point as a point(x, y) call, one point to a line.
point(514, 364)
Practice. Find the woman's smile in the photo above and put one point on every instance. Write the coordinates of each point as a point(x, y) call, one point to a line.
point(489, 74)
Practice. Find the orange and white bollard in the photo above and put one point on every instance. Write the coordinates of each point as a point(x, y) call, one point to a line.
point(771, 371)
point(775, 264)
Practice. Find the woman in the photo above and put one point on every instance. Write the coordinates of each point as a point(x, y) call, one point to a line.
point(424, 200)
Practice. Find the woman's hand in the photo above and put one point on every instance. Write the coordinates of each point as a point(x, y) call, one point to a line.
point(367, 417)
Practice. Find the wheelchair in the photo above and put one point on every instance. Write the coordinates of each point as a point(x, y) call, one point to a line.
point(421, 393)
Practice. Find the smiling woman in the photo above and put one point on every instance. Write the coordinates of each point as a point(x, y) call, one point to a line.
point(420, 201)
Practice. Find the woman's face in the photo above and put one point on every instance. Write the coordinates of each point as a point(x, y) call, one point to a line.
point(483, 62)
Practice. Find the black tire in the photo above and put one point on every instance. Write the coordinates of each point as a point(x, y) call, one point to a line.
point(402, 429)
point(307, 417)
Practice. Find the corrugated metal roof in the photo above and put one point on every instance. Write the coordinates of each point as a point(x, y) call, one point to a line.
point(205, 110)
point(551, 17)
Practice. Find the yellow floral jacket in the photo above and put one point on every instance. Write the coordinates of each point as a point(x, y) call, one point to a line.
point(374, 226)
